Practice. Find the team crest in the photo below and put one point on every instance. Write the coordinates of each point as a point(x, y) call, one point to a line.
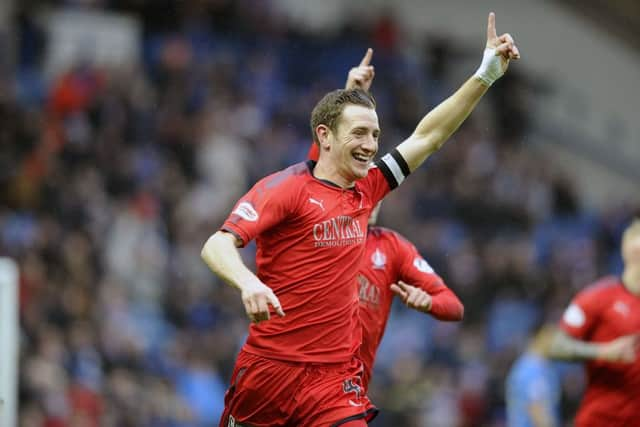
point(378, 259)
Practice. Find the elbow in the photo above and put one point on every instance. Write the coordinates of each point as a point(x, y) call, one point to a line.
point(205, 248)
point(209, 248)
point(458, 314)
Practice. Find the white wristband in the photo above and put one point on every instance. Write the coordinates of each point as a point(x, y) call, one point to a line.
point(491, 68)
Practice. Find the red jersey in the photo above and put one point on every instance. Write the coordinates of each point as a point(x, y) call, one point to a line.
point(602, 312)
point(389, 257)
point(310, 235)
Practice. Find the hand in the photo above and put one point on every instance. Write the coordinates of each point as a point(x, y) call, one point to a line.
point(412, 296)
point(623, 349)
point(362, 75)
point(503, 45)
point(256, 298)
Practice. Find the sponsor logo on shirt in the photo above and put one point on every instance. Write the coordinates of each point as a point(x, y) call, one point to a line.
point(368, 292)
point(378, 259)
point(245, 210)
point(422, 265)
point(574, 316)
point(316, 202)
point(341, 230)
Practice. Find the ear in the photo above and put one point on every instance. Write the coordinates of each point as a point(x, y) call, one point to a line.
point(323, 132)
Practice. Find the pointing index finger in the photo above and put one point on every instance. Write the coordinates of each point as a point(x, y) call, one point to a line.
point(491, 27)
point(367, 58)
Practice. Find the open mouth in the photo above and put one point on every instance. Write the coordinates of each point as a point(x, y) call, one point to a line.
point(361, 158)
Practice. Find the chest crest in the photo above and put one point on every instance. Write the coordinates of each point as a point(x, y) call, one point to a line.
point(378, 259)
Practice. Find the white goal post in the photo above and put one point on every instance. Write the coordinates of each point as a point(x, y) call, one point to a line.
point(9, 333)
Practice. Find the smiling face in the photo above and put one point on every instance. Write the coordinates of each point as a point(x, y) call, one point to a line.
point(345, 126)
point(353, 145)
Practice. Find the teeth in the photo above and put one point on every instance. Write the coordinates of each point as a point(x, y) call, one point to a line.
point(360, 158)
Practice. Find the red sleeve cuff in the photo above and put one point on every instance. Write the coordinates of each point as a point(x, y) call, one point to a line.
point(237, 232)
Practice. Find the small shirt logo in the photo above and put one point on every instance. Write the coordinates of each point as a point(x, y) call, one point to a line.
point(245, 210)
point(621, 308)
point(316, 202)
point(378, 259)
point(574, 316)
point(422, 265)
point(349, 386)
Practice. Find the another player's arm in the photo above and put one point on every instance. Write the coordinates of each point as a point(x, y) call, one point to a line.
point(540, 416)
point(223, 258)
point(442, 303)
point(420, 287)
point(440, 123)
point(361, 76)
point(565, 347)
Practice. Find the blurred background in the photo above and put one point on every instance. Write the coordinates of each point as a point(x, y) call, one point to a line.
point(128, 128)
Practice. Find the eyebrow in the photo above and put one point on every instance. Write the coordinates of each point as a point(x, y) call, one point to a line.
point(365, 128)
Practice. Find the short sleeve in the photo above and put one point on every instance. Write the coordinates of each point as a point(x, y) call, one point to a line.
point(415, 270)
point(582, 313)
point(387, 174)
point(263, 207)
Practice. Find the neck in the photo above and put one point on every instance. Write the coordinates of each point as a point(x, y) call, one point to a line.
point(631, 281)
point(328, 172)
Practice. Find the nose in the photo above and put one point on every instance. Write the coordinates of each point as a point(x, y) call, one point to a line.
point(370, 145)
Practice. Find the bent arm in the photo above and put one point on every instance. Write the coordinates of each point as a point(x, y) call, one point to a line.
point(441, 122)
point(445, 305)
point(221, 254)
point(564, 347)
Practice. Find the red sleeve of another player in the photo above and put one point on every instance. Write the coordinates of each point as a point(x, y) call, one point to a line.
point(314, 152)
point(583, 313)
point(416, 271)
point(264, 206)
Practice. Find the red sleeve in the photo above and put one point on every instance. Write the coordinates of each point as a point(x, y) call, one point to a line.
point(375, 185)
point(388, 172)
point(582, 314)
point(265, 205)
point(416, 271)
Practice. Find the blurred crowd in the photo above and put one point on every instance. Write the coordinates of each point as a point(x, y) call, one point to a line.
point(113, 178)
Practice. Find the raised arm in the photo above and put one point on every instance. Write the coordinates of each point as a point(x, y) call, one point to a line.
point(440, 123)
point(622, 349)
point(362, 75)
point(221, 255)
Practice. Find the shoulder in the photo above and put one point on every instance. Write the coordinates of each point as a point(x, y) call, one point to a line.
point(389, 236)
point(386, 233)
point(600, 289)
point(298, 172)
point(284, 185)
